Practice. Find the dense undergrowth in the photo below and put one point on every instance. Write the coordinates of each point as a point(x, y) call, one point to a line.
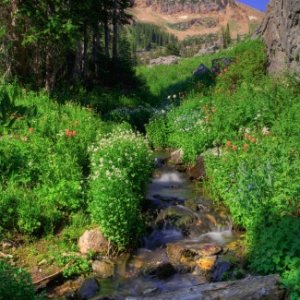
point(253, 120)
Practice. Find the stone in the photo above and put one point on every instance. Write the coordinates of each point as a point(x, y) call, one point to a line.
point(206, 264)
point(165, 60)
point(94, 241)
point(219, 64)
point(280, 32)
point(250, 288)
point(198, 170)
point(221, 269)
point(177, 157)
point(201, 71)
point(161, 271)
point(179, 216)
point(88, 289)
point(188, 252)
point(103, 269)
point(209, 50)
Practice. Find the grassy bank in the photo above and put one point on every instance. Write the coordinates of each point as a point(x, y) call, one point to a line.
point(252, 119)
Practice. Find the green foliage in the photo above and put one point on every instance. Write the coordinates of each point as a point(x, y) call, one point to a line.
point(43, 167)
point(251, 119)
point(74, 265)
point(120, 168)
point(15, 284)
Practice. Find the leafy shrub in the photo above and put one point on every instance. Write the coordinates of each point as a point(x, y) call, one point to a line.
point(120, 168)
point(15, 284)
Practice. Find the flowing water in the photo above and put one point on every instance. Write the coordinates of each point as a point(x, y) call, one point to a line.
point(180, 212)
point(176, 211)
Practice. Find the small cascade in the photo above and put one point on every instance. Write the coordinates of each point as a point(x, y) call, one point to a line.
point(177, 216)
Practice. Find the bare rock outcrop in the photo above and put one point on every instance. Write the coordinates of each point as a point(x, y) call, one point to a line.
point(188, 6)
point(281, 32)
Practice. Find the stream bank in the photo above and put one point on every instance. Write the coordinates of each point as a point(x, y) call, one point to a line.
point(188, 241)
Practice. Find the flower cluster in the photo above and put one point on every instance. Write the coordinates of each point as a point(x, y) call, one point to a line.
point(70, 133)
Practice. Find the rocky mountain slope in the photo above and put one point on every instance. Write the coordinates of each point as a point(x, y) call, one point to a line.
point(281, 33)
point(189, 18)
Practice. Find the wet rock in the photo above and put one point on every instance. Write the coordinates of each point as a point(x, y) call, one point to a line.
point(159, 162)
point(206, 264)
point(177, 157)
point(202, 71)
point(88, 289)
point(162, 271)
point(178, 216)
point(198, 170)
point(165, 60)
point(92, 240)
point(188, 252)
point(104, 269)
point(221, 270)
point(150, 291)
point(258, 288)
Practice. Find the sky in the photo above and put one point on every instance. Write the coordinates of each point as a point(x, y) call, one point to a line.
point(259, 4)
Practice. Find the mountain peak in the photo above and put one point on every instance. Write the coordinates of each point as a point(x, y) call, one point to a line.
point(188, 18)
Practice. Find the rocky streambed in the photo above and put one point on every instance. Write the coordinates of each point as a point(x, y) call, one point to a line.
point(189, 242)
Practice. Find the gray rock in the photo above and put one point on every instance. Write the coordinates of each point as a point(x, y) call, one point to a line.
point(88, 289)
point(221, 269)
point(165, 60)
point(210, 50)
point(280, 31)
point(201, 71)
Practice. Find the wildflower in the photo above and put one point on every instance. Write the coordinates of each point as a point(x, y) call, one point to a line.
point(169, 97)
point(228, 143)
point(246, 147)
point(265, 131)
point(253, 140)
point(234, 147)
point(31, 130)
point(70, 133)
point(174, 96)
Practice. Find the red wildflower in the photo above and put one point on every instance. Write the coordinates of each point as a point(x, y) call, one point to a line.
point(31, 130)
point(70, 133)
point(228, 143)
point(246, 147)
point(234, 147)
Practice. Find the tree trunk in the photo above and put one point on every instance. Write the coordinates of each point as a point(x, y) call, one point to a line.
point(115, 31)
point(85, 49)
point(106, 36)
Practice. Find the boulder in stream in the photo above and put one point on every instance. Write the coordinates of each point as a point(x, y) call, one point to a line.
point(88, 289)
point(103, 269)
point(187, 253)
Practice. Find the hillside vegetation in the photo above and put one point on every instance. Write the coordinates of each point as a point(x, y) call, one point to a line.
point(64, 168)
point(251, 119)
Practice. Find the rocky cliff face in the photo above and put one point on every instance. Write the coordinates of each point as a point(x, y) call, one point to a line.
point(281, 33)
point(188, 6)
